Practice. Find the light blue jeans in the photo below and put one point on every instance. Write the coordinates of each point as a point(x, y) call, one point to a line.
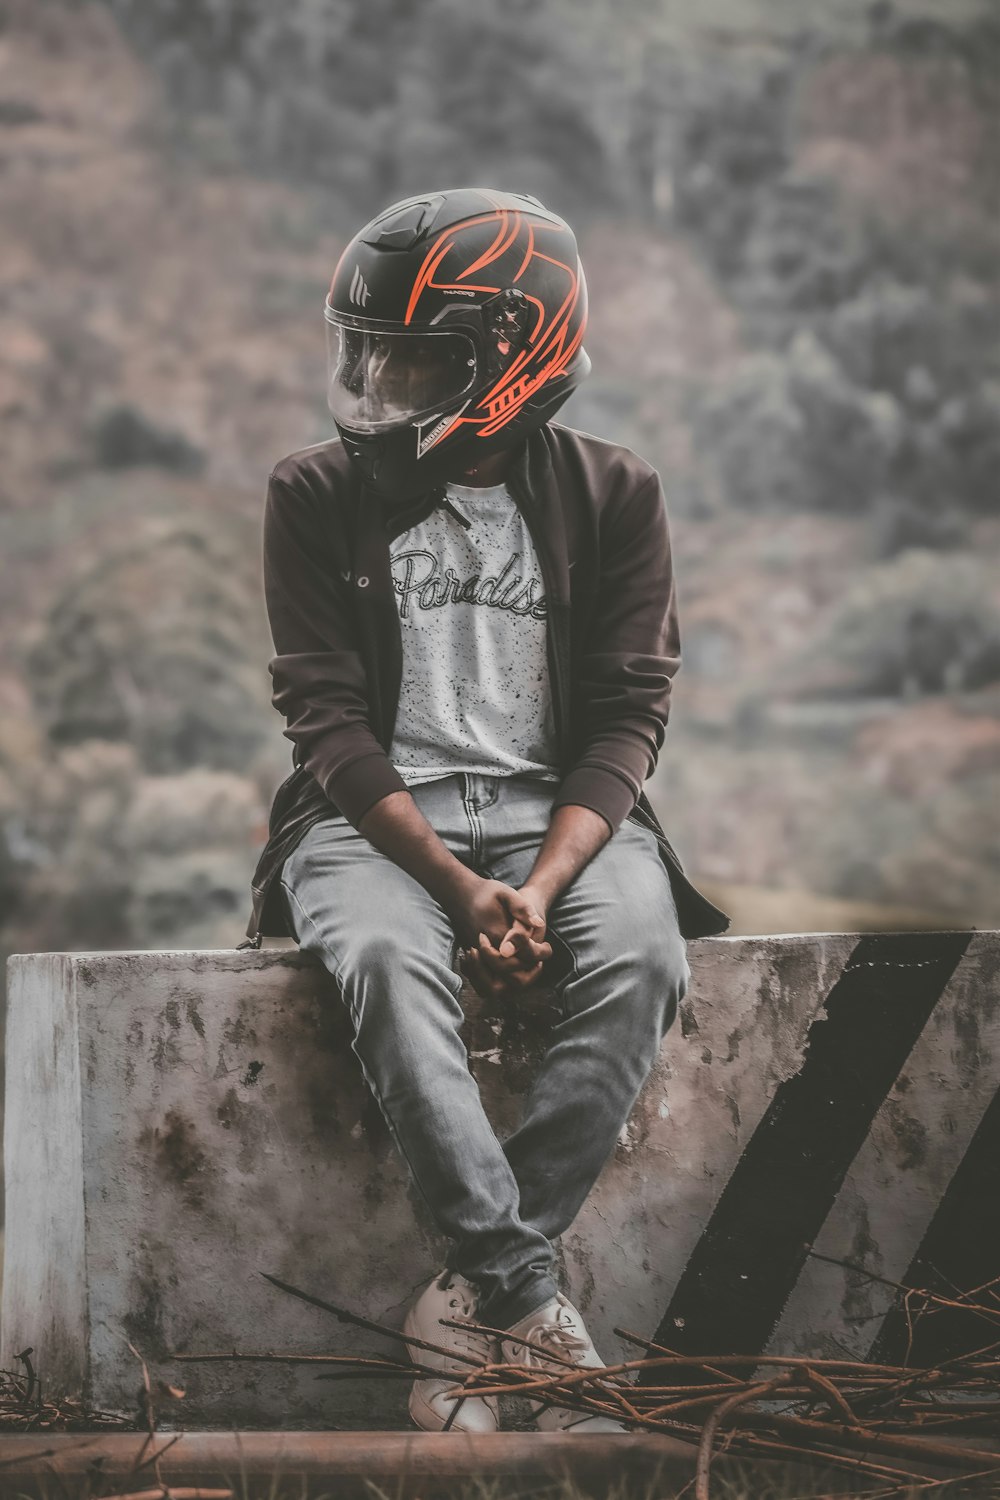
point(622, 971)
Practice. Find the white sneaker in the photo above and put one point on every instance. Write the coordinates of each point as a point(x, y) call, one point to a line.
point(449, 1295)
point(557, 1326)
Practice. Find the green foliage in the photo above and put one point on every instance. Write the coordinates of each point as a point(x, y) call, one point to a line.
point(790, 431)
point(919, 624)
point(125, 437)
point(151, 646)
point(732, 144)
point(881, 308)
point(381, 100)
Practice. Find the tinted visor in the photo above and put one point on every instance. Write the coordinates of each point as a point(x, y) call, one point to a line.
point(379, 380)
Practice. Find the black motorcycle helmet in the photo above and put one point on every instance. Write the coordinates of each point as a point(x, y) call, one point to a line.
point(454, 326)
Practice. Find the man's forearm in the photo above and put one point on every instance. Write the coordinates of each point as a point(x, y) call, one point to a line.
point(397, 827)
point(574, 835)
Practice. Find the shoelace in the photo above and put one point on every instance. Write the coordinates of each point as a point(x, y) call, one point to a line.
point(561, 1337)
point(566, 1341)
point(467, 1340)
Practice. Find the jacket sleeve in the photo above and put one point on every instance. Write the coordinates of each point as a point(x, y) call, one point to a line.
point(632, 652)
point(318, 672)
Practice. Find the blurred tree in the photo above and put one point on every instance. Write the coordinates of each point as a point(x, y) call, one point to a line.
point(151, 646)
point(790, 431)
point(125, 437)
point(919, 624)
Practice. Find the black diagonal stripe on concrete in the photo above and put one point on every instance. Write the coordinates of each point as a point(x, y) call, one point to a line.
point(960, 1250)
point(749, 1257)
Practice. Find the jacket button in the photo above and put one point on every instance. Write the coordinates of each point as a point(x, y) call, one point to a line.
point(362, 582)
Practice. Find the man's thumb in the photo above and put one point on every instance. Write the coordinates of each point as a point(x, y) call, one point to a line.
point(523, 911)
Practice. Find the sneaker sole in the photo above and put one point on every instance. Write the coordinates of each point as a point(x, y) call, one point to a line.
point(428, 1418)
point(423, 1414)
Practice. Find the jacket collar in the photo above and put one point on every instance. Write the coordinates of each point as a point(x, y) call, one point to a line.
point(531, 482)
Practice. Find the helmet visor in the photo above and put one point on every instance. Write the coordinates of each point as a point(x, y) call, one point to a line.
point(378, 380)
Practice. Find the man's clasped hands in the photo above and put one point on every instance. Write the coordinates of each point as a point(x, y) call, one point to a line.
point(510, 948)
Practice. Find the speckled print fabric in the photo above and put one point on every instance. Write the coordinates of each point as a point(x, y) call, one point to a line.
point(475, 693)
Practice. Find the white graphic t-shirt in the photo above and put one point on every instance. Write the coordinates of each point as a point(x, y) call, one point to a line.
point(475, 693)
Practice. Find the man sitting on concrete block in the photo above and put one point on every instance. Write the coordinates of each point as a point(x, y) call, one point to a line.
point(475, 626)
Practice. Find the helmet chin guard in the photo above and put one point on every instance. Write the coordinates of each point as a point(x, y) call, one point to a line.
point(454, 326)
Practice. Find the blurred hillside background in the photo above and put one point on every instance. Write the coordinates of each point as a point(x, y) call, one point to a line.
point(790, 220)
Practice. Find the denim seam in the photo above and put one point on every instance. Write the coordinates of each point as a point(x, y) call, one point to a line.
point(368, 1076)
point(560, 987)
point(450, 1254)
point(372, 1084)
point(476, 833)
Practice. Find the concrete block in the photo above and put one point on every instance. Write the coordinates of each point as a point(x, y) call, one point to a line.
point(178, 1122)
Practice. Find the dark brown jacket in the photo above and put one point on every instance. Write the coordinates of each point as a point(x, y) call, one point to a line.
point(597, 516)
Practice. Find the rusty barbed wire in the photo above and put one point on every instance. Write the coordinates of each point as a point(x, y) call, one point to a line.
point(898, 1427)
point(23, 1407)
point(886, 1423)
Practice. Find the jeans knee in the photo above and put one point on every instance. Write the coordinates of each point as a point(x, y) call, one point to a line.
point(387, 978)
point(374, 961)
point(666, 975)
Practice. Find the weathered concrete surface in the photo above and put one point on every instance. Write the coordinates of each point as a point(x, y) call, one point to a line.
point(178, 1122)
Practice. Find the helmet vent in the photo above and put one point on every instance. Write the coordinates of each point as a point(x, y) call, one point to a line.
point(399, 229)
